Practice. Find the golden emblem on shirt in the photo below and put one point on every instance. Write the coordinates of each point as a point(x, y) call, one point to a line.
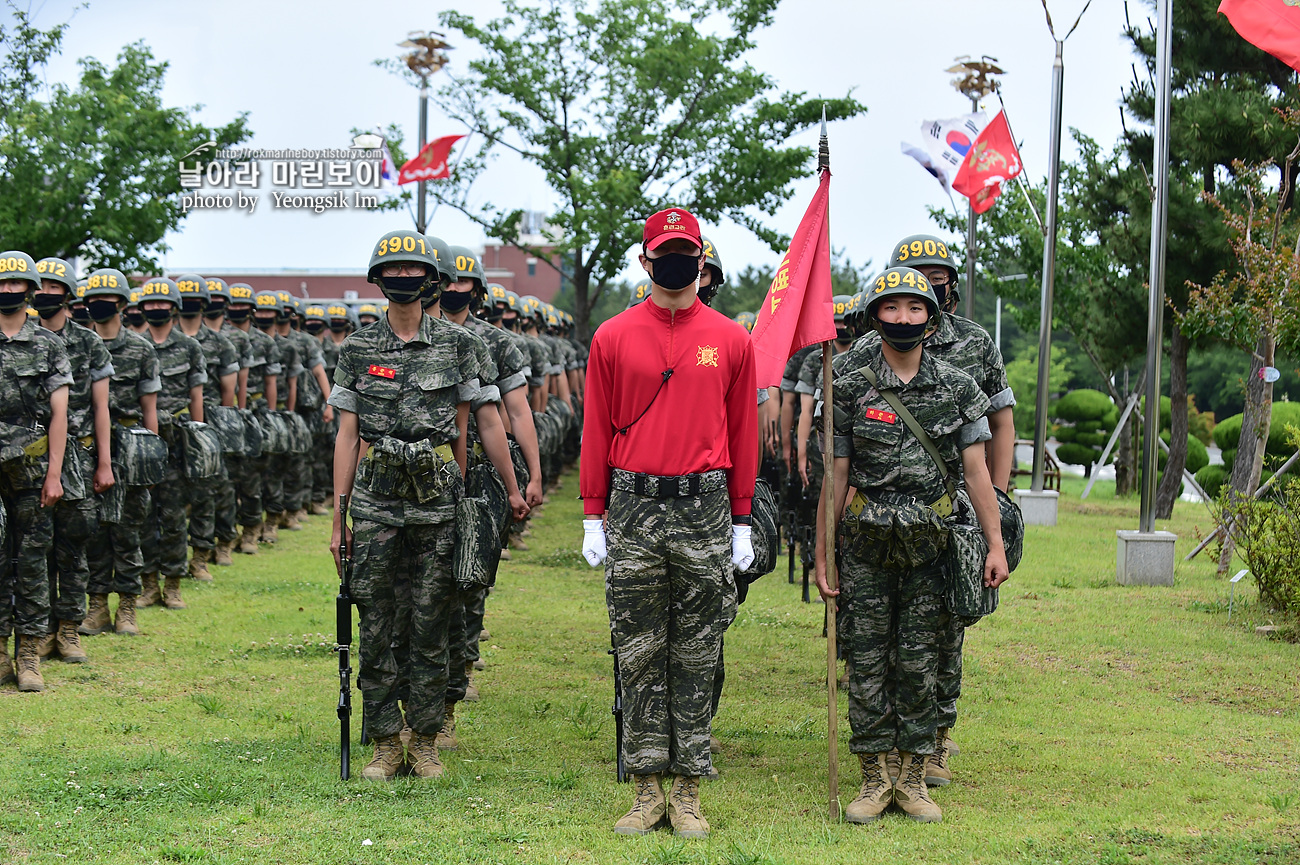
point(706, 355)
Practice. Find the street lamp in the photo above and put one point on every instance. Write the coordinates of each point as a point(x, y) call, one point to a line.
point(425, 58)
point(975, 81)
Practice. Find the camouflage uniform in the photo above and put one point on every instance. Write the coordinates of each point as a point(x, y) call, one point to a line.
point(33, 365)
point(322, 482)
point(252, 475)
point(181, 366)
point(275, 482)
point(310, 404)
point(117, 560)
point(220, 358)
point(891, 555)
point(431, 374)
point(76, 520)
point(226, 523)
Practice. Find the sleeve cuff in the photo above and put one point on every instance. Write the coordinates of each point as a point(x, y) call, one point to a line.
point(102, 373)
point(788, 385)
point(803, 387)
point(593, 505)
point(1002, 399)
point(341, 397)
point(976, 431)
point(149, 385)
point(486, 396)
point(843, 446)
point(511, 382)
point(741, 507)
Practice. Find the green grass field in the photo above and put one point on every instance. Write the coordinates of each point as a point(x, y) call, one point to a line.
point(1100, 724)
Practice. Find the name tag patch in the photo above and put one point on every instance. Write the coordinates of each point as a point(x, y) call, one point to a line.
point(376, 369)
point(877, 414)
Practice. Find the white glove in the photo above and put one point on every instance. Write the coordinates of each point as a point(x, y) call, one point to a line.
point(593, 542)
point(742, 551)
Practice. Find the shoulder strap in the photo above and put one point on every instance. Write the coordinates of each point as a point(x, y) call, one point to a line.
point(891, 397)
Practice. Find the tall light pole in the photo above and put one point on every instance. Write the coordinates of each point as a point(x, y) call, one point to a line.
point(975, 81)
point(425, 58)
point(1049, 271)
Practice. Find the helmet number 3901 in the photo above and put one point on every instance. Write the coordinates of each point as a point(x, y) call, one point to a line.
point(398, 243)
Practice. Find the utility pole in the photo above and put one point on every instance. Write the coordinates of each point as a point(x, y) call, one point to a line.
point(425, 58)
point(975, 81)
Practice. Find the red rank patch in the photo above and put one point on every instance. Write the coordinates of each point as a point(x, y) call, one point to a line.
point(376, 369)
point(877, 414)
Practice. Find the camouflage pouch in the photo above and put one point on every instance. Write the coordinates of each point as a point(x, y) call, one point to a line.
point(477, 551)
point(1013, 529)
point(920, 537)
point(299, 432)
point(482, 481)
point(428, 469)
point(202, 448)
point(139, 456)
point(23, 456)
point(383, 470)
point(252, 434)
point(520, 465)
point(967, 597)
point(78, 471)
point(275, 432)
point(230, 429)
point(111, 503)
point(763, 534)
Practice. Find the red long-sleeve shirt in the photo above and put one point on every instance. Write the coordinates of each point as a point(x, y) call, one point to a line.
point(705, 417)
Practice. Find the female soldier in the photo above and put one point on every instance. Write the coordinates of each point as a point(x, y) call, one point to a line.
point(896, 531)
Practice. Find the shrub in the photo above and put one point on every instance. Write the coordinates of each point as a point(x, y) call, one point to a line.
point(1228, 430)
point(1269, 539)
point(1085, 421)
point(1211, 478)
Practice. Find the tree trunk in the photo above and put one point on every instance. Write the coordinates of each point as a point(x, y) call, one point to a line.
point(1125, 470)
point(581, 287)
point(1167, 494)
point(1256, 418)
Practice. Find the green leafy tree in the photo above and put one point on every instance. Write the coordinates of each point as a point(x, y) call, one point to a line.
point(92, 171)
point(627, 107)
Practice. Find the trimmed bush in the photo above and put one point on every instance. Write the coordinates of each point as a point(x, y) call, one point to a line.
point(1085, 420)
point(1211, 478)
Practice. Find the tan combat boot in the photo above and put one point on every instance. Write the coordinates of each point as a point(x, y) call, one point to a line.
point(505, 555)
point(446, 740)
point(876, 793)
point(45, 646)
point(386, 762)
point(910, 792)
point(221, 555)
point(150, 592)
point(937, 773)
point(684, 808)
point(270, 533)
point(484, 635)
point(648, 808)
point(471, 691)
point(422, 756)
point(248, 539)
point(172, 594)
point(29, 665)
point(7, 674)
point(715, 745)
point(953, 750)
point(289, 521)
point(126, 615)
point(301, 514)
point(97, 620)
point(199, 565)
point(480, 664)
point(518, 543)
point(894, 763)
point(318, 509)
point(69, 643)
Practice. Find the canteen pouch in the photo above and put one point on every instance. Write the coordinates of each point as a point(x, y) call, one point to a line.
point(252, 434)
point(299, 432)
point(483, 481)
point(139, 456)
point(1013, 529)
point(229, 426)
point(275, 432)
point(419, 470)
point(201, 447)
point(967, 597)
point(763, 534)
point(477, 551)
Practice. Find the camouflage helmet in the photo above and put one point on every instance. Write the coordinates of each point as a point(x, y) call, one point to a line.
point(713, 264)
point(241, 292)
point(497, 293)
point(217, 288)
point(267, 301)
point(900, 281)
point(314, 312)
point(926, 250)
point(107, 282)
point(133, 300)
point(843, 304)
point(19, 265)
point(161, 288)
point(368, 309)
point(57, 270)
point(747, 320)
point(468, 266)
point(402, 246)
point(288, 305)
point(446, 259)
point(640, 292)
point(191, 285)
point(339, 311)
point(512, 301)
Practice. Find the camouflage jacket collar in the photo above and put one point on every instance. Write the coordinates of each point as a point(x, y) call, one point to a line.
point(872, 355)
point(26, 333)
point(945, 333)
point(386, 340)
point(173, 336)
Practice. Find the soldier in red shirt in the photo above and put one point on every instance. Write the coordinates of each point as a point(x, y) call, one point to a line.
point(669, 457)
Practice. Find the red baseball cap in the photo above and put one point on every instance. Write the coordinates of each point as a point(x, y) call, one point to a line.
point(668, 224)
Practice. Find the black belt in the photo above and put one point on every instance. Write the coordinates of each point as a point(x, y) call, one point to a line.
point(669, 486)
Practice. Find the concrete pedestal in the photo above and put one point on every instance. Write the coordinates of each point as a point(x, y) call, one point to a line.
point(1145, 558)
point(1038, 509)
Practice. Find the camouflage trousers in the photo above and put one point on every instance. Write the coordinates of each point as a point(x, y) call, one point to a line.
point(404, 646)
point(203, 510)
point(297, 481)
point(273, 474)
point(75, 523)
point(457, 679)
point(164, 546)
point(671, 596)
point(26, 577)
point(224, 502)
point(952, 634)
point(475, 603)
point(893, 616)
point(247, 476)
point(116, 559)
point(322, 466)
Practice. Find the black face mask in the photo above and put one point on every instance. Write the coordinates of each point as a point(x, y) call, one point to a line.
point(674, 271)
point(264, 322)
point(238, 316)
point(216, 308)
point(158, 316)
point(134, 318)
point(12, 301)
point(842, 334)
point(103, 309)
point(283, 318)
point(455, 301)
point(80, 314)
point(315, 327)
point(510, 323)
point(902, 337)
point(47, 305)
point(338, 325)
point(191, 307)
point(406, 289)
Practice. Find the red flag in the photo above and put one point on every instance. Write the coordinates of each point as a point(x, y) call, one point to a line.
point(431, 162)
point(992, 160)
point(798, 310)
point(1271, 25)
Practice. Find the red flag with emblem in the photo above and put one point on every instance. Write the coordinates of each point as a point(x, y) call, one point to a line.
point(798, 310)
point(431, 162)
point(1271, 25)
point(991, 161)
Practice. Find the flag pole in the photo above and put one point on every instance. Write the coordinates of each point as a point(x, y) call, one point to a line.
point(832, 518)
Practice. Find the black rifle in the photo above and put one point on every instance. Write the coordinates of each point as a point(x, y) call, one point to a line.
point(617, 712)
point(343, 614)
point(809, 542)
point(790, 516)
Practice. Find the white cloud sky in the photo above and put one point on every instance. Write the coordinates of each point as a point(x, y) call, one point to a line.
point(304, 74)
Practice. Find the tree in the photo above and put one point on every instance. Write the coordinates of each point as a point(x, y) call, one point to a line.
point(627, 107)
point(92, 172)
